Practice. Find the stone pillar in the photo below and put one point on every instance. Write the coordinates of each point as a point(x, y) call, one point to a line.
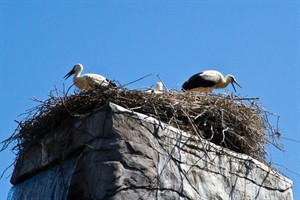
point(127, 155)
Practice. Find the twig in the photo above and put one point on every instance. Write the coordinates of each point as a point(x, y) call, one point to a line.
point(135, 81)
point(6, 170)
point(162, 82)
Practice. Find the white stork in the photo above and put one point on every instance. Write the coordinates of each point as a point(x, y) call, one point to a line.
point(158, 89)
point(208, 80)
point(87, 81)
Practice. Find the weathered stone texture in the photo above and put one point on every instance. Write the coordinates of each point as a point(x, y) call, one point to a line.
point(126, 155)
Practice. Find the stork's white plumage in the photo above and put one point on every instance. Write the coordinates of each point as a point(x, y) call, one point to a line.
point(158, 89)
point(87, 81)
point(208, 80)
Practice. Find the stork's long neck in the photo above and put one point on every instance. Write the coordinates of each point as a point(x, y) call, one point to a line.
point(224, 81)
point(77, 73)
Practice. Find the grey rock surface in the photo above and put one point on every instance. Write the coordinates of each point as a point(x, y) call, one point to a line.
point(126, 155)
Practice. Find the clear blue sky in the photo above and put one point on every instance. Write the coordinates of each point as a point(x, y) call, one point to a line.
point(257, 42)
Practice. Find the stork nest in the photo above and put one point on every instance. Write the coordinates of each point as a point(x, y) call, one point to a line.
point(236, 123)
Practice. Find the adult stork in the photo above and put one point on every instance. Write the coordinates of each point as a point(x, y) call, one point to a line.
point(87, 81)
point(158, 89)
point(208, 80)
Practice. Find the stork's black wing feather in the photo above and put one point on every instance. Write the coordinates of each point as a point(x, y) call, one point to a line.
point(199, 80)
point(111, 83)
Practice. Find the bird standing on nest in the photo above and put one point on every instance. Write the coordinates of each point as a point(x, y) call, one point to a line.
point(88, 81)
point(208, 80)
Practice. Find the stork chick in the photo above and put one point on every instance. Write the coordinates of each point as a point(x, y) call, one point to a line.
point(87, 81)
point(208, 80)
point(158, 89)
